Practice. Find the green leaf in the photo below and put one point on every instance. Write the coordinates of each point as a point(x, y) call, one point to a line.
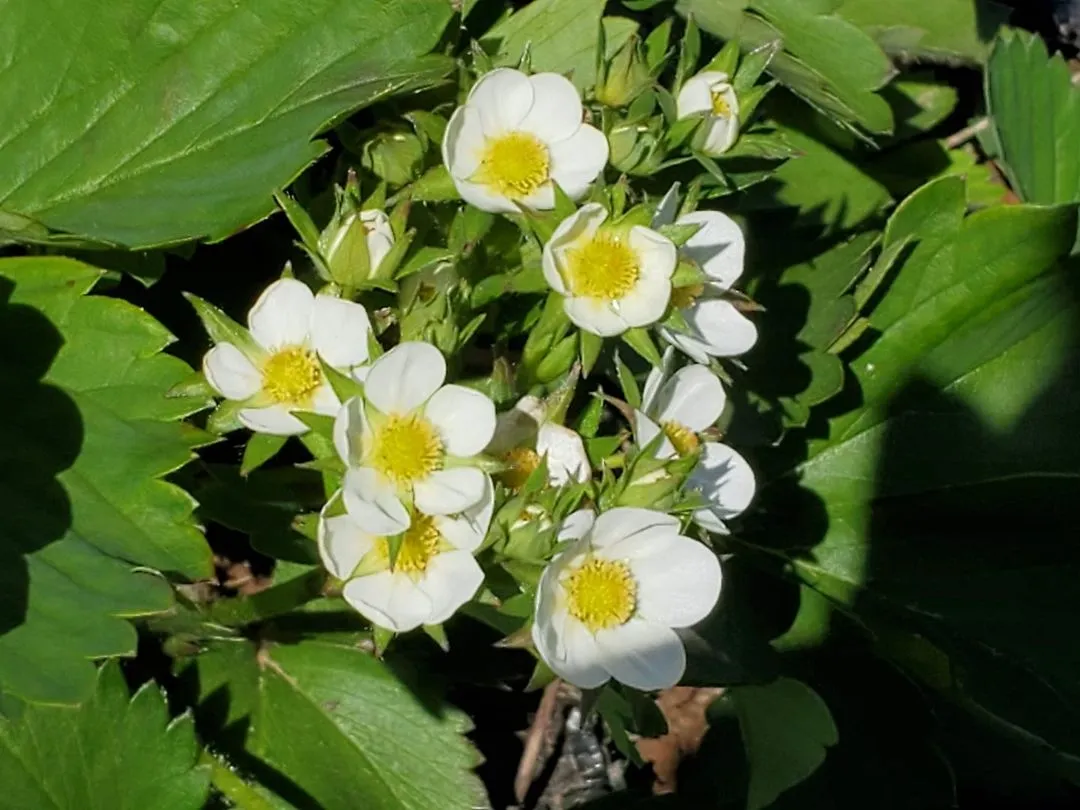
point(562, 36)
point(157, 123)
point(340, 726)
point(85, 443)
point(937, 30)
point(965, 433)
point(826, 60)
point(1024, 86)
point(111, 753)
point(787, 729)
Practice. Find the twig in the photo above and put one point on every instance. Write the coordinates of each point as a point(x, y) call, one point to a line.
point(967, 133)
point(535, 740)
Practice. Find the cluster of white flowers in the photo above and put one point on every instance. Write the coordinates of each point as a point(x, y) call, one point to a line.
point(417, 499)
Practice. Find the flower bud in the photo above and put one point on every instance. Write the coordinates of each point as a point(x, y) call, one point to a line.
point(710, 94)
point(394, 157)
point(354, 244)
point(626, 76)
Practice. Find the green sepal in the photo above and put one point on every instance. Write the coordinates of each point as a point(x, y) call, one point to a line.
point(301, 221)
point(590, 351)
point(727, 60)
point(437, 633)
point(260, 448)
point(641, 342)
point(630, 390)
point(223, 329)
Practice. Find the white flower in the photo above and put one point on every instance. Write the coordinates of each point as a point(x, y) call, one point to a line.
point(434, 574)
point(680, 407)
point(710, 92)
point(280, 372)
point(613, 278)
point(410, 440)
point(515, 135)
point(524, 435)
point(606, 606)
point(714, 327)
point(339, 250)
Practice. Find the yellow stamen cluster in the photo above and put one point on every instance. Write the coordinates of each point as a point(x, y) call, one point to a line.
point(521, 463)
point(601, 594)
point(720, 107)
point(419, 545)
point(406, 448)
point(514, 165)
point(684, 439)
point(291, 375)
point(605, 267)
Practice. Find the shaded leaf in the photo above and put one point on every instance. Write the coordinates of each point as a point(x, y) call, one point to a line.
point(84, 446)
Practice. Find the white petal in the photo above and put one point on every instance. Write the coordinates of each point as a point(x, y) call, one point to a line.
point(720, 135)
point(282, 315)
point(405, 377)
point(656, 377)
point(339, 331)
point(275, 420)
point(447, 492)
point(576, 525)
point(719, 246)
point(597, 316)
point(693, 347)
point(577, 227)
point(466, 531)
point(451, 580)
point(464, 418)
point(694, 97)
point(667, 208)
point(350, 431)
point(569, 650)
point(678, 582)
point(565, 452)
point(543, 199)
point(342, 543)
point(230, 373)
point(706, 519)
point(373, 503)
point(694, 397)
point(556, 112)
point(725, 480)
point(325, 401)
point(478, 195)
point(646, 303)
point(463, 143)
point(578, 160)
point(623, 522)
point(725, 330)
point(389, 600)
point(642, 655)
point(657, 254)
point(645, 430)
point(503, 97)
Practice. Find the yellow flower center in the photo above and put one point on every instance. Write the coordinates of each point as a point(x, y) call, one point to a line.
point(515, 165)
point(601, 594)
point(419, 544)
point(604, 267)
point(291, 375)
point(406, 448)
point(682, 297)
point(720, 107)
point(684, 439)
point(521, 463)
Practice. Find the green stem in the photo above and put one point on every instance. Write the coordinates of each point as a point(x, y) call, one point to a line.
point(242, 795)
